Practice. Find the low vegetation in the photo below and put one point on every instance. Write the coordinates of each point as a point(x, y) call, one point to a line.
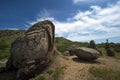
point(103, 73)
point(51, 74)
point(6, 38)
point(62, 44)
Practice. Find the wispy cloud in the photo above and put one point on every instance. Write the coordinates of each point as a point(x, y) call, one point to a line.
point(12, 28)
point(96, 23)
point(86, 1)
point(77, 1)
point(90, 1)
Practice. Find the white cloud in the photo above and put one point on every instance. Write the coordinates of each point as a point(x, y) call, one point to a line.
point(96, 23)
point(78, 1)
point(12, 28)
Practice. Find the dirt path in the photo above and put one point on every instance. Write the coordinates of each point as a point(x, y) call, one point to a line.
point(78, 69)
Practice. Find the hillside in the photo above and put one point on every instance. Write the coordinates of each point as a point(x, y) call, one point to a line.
point(8, 36)
point(62, 44)
point(66, 67)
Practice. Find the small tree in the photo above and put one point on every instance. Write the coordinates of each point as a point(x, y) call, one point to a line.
point(107, 44)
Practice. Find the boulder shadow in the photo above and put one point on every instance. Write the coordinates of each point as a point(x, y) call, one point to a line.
point(78, 60)
point(8, 75)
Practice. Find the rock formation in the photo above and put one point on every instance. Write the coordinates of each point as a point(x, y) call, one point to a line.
point(69, 51)
point(110, 52)
point(93, 46)
point(66, 53)
point(32, 52)
point(108, 49)
point(86, 53)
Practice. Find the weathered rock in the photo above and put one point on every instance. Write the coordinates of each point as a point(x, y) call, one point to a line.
point(32, 52)
point(108, 49)
point(66, 53)
point(110, 52)
point(86, 53)
point(70, 50)
point(93, 46)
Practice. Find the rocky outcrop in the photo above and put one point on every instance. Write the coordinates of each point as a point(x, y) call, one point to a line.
point(66, 53)
point(110, 52)
point(32, 52)
point(108, 49)
point(86, 53)
point(93, 46)
point(69, 51)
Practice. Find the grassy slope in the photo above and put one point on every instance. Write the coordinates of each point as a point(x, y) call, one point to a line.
point(62, 44)
point(6, 38)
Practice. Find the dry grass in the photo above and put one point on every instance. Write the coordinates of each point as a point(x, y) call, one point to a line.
point(72, 68)
point(53, 72)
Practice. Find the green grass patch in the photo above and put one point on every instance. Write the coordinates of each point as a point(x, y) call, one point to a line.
point(51, 74)
point(62, 43)
point(57, 73)
point(50, 71)
point(40, 77)
point(4, 54)
point(104, 73)
point(117, 55)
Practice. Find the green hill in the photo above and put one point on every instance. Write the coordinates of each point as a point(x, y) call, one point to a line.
point(66, 66)
point(8, 36)
point(63, 43)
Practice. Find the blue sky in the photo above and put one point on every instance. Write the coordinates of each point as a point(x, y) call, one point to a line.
point(77, 20)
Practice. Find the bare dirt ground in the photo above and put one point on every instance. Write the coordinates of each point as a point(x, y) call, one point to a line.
point(77, 69)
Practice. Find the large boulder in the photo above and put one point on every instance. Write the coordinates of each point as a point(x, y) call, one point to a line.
point(86, 53)
point(32, 52)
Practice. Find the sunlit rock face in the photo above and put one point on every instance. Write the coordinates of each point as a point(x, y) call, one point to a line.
point(86, 53)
